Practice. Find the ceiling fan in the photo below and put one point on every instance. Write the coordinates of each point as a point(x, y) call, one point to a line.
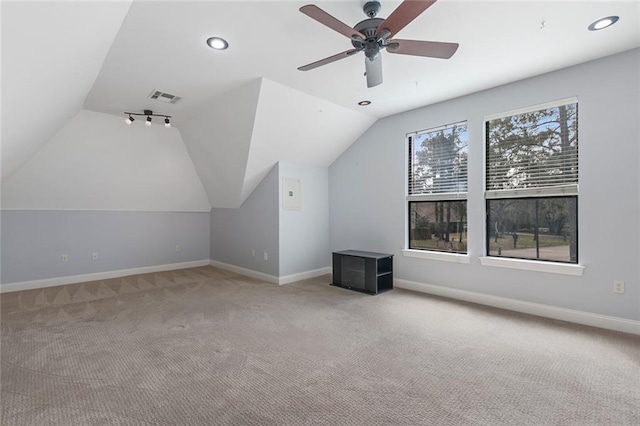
point(375, 34)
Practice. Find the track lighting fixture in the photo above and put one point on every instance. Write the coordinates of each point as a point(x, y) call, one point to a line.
point(148, 113)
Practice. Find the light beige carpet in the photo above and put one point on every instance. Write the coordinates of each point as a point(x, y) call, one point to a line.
point(208, 347)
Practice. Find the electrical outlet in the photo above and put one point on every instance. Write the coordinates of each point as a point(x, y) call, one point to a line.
point(618, 286)
point(266, 256)
point(64, 258)
point(178, 247)
point(253, 254)
point(94, 255)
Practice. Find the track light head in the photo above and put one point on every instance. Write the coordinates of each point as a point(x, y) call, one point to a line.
point(167, 123)
point(148, 122)
point(129, 120)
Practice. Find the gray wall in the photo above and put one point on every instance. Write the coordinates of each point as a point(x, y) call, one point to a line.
point(253, 226)
point(296, 240)
point(367, 190)
point(304, 233)
point(34, 240)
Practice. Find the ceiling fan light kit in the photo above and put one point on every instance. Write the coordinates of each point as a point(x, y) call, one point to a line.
point(373, 35)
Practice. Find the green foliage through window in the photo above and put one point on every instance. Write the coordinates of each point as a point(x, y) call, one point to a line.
point(532, 150)
point(437, 182)
point(532, 184)
point(438, 160)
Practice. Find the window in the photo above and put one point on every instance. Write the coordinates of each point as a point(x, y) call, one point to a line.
point(532, 183)
point(437, 189)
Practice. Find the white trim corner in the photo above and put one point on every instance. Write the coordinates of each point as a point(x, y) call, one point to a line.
point(287, 279)
point(272, 279)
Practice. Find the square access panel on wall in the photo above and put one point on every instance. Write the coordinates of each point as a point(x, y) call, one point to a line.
point(291, 194)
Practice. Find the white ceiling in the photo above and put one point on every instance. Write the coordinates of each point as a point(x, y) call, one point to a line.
point(108, 56)
point(161, 45)
point(51, 55)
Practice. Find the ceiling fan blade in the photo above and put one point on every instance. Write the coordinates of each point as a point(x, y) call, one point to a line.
point(328, 60)
point(431, 49)
point(324, 18)
point(374, 71)
point(405, 13)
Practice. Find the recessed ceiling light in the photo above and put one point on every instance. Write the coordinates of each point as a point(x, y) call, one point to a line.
point(364, 103)
point(217, 43)
point(603, 23)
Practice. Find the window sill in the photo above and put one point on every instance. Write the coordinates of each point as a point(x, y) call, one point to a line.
point(532, 265)
point(436, 255)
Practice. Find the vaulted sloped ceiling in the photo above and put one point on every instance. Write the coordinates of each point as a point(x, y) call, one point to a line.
point(233, 138)
point(96, 162)
point(51, 55)
point(218, 140)
point(247, 107)
point(243, 133)
point(302, 129)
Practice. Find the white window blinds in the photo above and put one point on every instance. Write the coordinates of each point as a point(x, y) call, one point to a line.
point(438, 161)
point(533, 152)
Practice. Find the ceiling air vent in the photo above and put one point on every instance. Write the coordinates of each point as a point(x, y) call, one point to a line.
point(167, 98)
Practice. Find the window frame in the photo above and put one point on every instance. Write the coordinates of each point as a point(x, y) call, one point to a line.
point(488, 227)
point(410, 202)
point(567, 190)
point(428, 253)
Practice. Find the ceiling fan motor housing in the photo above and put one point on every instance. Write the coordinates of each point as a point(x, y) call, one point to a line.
point(368, 27)
point(371, 45)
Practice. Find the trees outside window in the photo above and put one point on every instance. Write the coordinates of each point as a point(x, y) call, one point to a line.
point(437, 188)
point(531, 179)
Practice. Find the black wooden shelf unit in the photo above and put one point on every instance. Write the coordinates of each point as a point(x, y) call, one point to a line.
point(363, 271)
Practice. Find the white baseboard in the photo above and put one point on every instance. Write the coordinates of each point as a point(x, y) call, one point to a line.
point(554, 312)
point(74, 279)
point(304, 275)
point(244, 271)
point(271, 278)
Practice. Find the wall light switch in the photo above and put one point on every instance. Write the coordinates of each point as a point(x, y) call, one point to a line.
point(94, 256)
point(64, 258)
